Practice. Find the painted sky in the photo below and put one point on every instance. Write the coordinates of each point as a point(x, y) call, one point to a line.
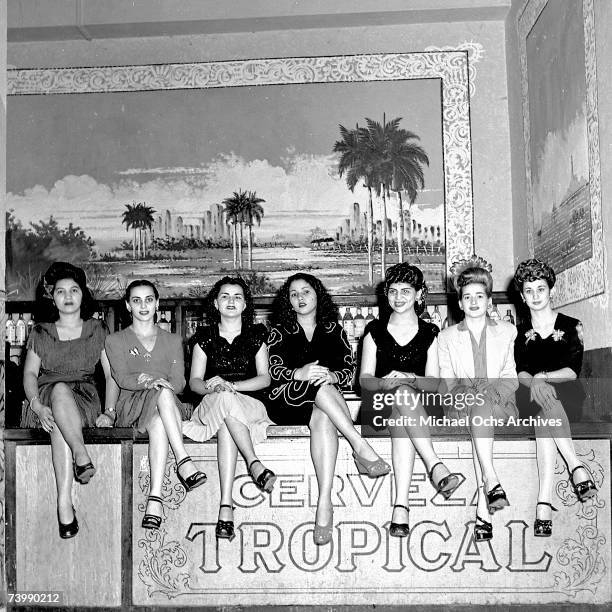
point(83, 157)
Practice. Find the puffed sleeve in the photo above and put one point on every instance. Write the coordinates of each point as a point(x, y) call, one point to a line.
point(279, 372)
point(344, 366)
point(177, 363)
point(117, 353)
point(575, 346)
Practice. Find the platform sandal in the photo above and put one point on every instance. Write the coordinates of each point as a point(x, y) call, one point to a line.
point(193, 481)
point(542, 528)
point(399, 530)
point(225, 529)
point(152, 521)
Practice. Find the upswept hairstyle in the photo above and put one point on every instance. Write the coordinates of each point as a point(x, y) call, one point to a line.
point(45, 309)
point(142, 282)
point(212, 314)
point(283, 313)
point(411, 275)
point(531, 270)
point(474, 275)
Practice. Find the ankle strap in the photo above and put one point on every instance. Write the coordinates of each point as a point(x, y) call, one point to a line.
point(155, 498)
point(253, 463)
point(433, 467)
point(183, 461)
point(402, 506)
point(580, 467)
point(547, 504)
point(226, 506)
point(481, 520)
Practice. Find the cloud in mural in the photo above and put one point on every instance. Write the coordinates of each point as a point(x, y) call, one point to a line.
point(302, 193)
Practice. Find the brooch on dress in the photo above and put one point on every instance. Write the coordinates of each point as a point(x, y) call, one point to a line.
point(530, 335)
point(558, 335)
point(136, 353)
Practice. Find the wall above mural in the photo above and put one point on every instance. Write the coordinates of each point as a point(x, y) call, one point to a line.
point(182, 173)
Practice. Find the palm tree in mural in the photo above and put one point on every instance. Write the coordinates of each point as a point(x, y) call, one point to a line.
point(253, 211)
point(130, 219)
point(234, 207)
point(145, 223)
point(407, 160)
point(355, 161)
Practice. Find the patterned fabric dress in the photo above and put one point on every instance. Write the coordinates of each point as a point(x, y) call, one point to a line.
point(290, 402)
point(233, 361)
point(563, 348)
point(128, 359)
point(68, 361)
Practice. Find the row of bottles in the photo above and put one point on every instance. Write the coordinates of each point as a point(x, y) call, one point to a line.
point(355, 319)
point(17, 332)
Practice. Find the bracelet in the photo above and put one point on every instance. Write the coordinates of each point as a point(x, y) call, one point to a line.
point(34, 398)
point(112, 414)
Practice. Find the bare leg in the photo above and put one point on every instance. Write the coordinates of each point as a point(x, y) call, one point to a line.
point(563, 439)
point(242, 439)
point(68, 418)
point(330, 401)
point(62, 466)
point(324, 452)
point(403, 454)
point(158, 454)
point(227, 454)
point(481, 504)
point(171, 419)
point(421, 436)
point(546, 453)
point(482, 442)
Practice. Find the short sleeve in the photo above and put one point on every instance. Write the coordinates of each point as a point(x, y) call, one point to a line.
point(373, 329)
point(37, 341)
point(521, 354)
point(100, 331)
point(432, 332)
point(203, 338)
point(575, 346)
point(260, 335)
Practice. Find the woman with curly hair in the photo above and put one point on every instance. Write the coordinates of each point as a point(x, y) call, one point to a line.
point(548, 353)
point(229, 367)
point(477, 362)
point(64, 348)
point(310, 359)
point(148, 365)
point(400, 351)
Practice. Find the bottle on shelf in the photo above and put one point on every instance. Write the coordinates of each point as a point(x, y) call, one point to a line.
point(10, 330)
point(436, 317)
point(508, 316)
point(20, 331)
point(348, 323)
point(425, 315)
point(163, 322)
point(495, 314)
point(370, 315)
point(359, 322)
point(30, 326)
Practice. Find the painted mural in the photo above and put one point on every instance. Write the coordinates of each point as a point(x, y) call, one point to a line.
point(185, 186)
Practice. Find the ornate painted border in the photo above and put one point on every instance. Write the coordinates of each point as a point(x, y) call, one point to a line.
point(588, 277)
point(451, 67)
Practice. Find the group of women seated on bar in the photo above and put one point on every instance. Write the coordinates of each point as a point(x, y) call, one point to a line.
point(250, 378)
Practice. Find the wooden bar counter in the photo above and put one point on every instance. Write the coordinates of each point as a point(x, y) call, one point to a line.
point(114, 564)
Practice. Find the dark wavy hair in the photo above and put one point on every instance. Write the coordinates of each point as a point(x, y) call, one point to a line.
point(474, 275)
point(531, 270)
point(212, 314)
point(411, 275)
point(283, 313)
point(45, 309)
point(141, 282)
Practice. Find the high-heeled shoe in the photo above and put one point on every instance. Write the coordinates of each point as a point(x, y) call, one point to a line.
point(152, 521)
point(265, 481)
point(483, 530)
point(445, 486)
point(374, 469)
point(322, 534)
point(542, 528)
point(586, 488)
point(194, 480)
point(68, 530)
point(399, 530)
point(83, 473)
point(496, 499)
point(225, 529)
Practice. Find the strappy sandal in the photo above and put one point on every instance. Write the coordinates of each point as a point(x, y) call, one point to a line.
point(265, 481)
point(193, 481)
point(83, 473)
point(496, 499)
point(152, 521)
point(585, 489)
point(542, 528)
point(483, 530)
point(225, 529)
point(399, 530)
point(448, 485)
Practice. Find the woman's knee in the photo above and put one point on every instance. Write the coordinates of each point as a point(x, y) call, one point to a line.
point(155, 423)
point(61, 392)
point(319, 421)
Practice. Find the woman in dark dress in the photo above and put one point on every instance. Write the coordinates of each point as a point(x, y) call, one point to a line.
point(400, 350)
point(63, 350)
point(229, 367)
point(147, 363)
point(548, 354)
point(310, 359)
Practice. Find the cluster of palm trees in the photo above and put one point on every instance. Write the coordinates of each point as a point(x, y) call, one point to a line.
point(139, 218)
point(385, 158)
point(243, 209)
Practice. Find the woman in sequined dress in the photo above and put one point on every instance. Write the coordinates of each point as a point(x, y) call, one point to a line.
point(229, 368)
point(400, 352)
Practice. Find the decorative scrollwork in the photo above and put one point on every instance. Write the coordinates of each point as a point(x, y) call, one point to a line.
point(173, 493)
